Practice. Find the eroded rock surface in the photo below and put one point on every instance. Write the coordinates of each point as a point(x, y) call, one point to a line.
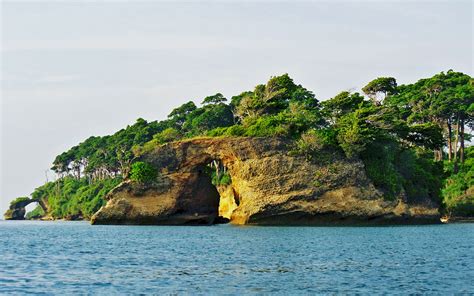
point(15, 214)
point(270, 186)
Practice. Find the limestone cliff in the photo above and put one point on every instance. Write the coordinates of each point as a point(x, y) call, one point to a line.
point(270, 186)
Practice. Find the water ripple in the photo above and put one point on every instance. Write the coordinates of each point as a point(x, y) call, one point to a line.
point(74, 257)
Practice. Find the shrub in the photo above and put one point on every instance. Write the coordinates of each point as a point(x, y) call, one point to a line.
point(458, 192)
point(70, 196)
point(217, 132)
point(422, 177)
point(392, 168)
point(223, 179)
point(168, 135)
point(266, 126)
point(235, 130)
point(142, 172)
point(309, 144)
point(37, 213)
point(231, 131)
point(380, 168)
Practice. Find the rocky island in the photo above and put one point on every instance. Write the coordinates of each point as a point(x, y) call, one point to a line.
point(278, 156)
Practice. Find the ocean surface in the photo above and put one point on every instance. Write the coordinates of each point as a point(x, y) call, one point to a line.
point(74, 257)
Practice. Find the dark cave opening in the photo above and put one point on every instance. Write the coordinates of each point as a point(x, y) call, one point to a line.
point(218, 175)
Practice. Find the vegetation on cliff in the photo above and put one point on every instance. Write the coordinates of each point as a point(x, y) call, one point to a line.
point(73, 198)
point(402, 133)
point(459, 186)
point(142, 172)
point(36, 213)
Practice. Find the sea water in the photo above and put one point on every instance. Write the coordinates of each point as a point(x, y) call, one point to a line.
point(75, 257)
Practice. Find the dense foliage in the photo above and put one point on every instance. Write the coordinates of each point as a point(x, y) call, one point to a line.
point(402, 133)
point(142, 172)
point(36, 213)
point(70, 197)
point(459, 190)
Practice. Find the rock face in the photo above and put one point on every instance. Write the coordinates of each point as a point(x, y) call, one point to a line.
point(15, 214)
point(270, 186)
point(227, 201)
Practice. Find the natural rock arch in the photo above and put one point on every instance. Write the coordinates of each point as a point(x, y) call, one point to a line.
point(17, 209)
point(183, 193)
point(270, 184)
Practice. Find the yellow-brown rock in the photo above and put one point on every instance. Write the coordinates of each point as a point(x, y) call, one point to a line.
point(227, 202)
point(270, 186)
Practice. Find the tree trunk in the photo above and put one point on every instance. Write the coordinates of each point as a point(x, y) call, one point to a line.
point(438, 154)
point(461, 148)
point(450, 145)
point(456, 139)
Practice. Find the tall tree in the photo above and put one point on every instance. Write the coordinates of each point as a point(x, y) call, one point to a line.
point(214, 99)
point(378, 89)
point(443, 100)
point(179, 115)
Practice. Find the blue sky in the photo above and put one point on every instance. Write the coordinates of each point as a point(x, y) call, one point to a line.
point(70, 70)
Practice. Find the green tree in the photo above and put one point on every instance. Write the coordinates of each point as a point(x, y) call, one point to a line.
point(214, 99)
point(458, 189)
point(271, 98)
point(213, 116)
point(342, 104)
point(380, 88)
point(168, 135)
point(443, 100)
point(179, 115)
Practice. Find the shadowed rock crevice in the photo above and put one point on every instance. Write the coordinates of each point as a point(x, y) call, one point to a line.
point(270, 186)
